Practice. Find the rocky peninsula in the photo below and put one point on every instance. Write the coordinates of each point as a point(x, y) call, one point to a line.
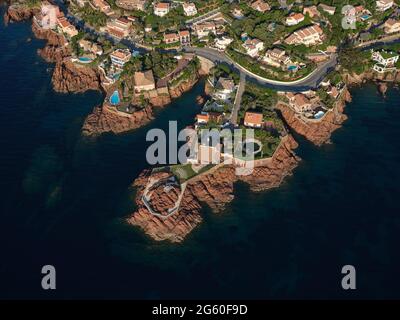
point(214, 188)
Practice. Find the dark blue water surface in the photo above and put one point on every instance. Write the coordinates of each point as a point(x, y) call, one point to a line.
point(63, 202)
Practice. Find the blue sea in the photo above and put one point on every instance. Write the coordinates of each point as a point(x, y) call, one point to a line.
point(64, 199)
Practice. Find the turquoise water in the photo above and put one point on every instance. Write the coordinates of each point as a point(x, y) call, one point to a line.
point(319, 115)
point(85, 59)
point(64, 200)
point(114, 99)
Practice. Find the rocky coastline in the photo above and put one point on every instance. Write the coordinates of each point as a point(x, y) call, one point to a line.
point(16, 13)
point(317, 131)
point(105, 118)
point(71, 78)
point(382, 80)
point(214, 188)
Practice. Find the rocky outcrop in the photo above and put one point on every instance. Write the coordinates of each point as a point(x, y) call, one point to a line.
point(174, 228)
point(382, 88)
point(56, 48)
point(355, 79)
point(159, 101)
point(19, 13)
point(106, 119)
point(316, 131)
point(68, 77)
point(215, 188)
point(182, 87)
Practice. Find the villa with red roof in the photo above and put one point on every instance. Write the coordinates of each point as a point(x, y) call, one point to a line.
point(161, 9)
point(260, 6)
point(253, 119)
point(171, 37)
point(294, 18)
point(308, 36)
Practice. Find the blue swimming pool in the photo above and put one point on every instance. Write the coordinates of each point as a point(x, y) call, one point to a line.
point(319, 115)
point(291, 68)
point(114, 99)
point(365, 17)
point(85, 59)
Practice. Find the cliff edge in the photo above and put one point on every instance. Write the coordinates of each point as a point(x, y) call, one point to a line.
point(215, 188)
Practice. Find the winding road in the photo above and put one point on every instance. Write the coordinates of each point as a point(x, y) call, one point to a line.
point(311, 81)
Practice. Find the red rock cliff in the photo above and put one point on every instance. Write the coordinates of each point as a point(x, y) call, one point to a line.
point(19, 13)
point(215, 188)
point(68, 77)
point(104, 119)
point(56, 48)
point(317, 131)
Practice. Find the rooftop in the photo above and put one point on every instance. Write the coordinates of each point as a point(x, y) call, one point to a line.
point(253, 117)
point(144, 78)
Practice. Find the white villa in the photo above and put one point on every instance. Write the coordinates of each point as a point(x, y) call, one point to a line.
point(253, 47)
point(119, 57)
point(392, 26)
point(161, 9)
point(204, 29)
point(224, 88)
point(276, 57)
point(237, 13)
point(386, 61)
point(222, 43)
point(383, 5)
point(189, 9)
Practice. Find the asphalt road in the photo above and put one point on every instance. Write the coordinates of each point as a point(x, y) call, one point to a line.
point(309, 82)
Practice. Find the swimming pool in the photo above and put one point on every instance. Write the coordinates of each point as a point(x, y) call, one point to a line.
point(292, 68)
point(114, 99)
point(365, 17)
point(85, 59)
point(319, 115)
